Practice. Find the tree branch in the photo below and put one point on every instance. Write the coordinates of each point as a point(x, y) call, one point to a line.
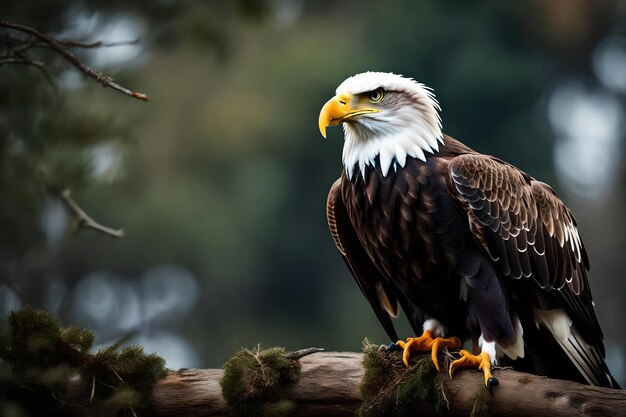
point(10, 60)
point(97, 44)
point(21, 59)
point(329, 386)
point(27, 43)
point(84, 220)
point(60, 47)
point(299, 354)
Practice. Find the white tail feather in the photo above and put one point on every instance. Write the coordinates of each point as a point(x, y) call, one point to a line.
point(585, 357)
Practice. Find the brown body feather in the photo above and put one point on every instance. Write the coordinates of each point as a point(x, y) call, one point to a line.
point(471, 241)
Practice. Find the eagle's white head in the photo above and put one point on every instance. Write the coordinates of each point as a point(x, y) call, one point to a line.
point(384, 115)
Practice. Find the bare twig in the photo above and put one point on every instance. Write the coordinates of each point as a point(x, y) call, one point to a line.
point(11, 60)
point(70, 43)
point(20, 58)
point(97, 44)
point(60, 47)
point(118, 376)
point(84, 220)
point(303, 352)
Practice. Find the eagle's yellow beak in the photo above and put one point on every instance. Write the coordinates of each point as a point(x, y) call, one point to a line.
point(340, 108)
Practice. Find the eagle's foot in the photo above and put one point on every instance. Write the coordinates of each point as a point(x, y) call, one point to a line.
point(426, 343)
point(481, 361)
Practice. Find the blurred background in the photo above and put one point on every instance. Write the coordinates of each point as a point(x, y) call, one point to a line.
point(220, 180)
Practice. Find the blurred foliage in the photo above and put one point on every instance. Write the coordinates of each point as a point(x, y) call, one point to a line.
point(47, 141)
point(223, 171)
point(40, 364)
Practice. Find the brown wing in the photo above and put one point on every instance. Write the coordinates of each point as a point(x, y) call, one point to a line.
point(527, 230)
point(378, 291)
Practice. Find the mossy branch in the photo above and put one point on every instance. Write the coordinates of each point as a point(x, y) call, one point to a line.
point(46, 370)
point(334, 384)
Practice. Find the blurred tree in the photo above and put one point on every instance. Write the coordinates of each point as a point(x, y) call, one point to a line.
point(46, 146)
point(52, 144)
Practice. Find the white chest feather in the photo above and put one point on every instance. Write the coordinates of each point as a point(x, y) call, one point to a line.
point(395, 138)
point(389, 148)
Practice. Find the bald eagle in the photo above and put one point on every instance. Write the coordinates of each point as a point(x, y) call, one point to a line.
point(469, 246)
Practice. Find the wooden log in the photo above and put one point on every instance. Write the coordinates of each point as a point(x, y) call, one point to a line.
point(329, 386)
point(190, 392)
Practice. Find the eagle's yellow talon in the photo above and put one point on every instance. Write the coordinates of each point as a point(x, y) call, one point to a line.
point(407, 350)
point(426, 343)
point(481, 361)
point(434, 353)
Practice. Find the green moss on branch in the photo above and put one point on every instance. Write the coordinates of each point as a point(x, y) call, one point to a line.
point(253, 381)
point(390, 388)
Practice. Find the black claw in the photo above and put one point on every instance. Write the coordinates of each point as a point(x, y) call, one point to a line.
point(394, 347)
point(492, 382)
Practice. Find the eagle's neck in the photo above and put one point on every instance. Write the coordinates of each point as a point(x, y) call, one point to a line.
point(362, 145)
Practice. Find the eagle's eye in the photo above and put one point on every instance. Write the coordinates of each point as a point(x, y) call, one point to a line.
point(376, 95)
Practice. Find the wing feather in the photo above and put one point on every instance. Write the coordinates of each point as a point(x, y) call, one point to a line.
point(378, 291)
point(528, 231)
